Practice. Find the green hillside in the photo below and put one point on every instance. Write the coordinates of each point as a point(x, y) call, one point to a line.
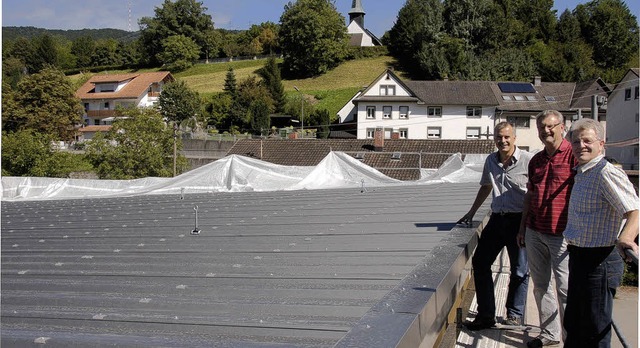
point(331, 90)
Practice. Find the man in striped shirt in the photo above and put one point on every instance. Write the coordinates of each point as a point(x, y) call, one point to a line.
point(602, 197)
point(543, 221)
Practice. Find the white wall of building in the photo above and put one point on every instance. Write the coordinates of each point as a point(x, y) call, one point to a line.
point(622, 121)
point(355, 28)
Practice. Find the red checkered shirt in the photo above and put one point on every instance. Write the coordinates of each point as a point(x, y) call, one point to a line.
point(550, 183)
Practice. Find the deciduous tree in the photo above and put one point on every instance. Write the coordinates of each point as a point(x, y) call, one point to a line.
point(178, 52)
point(612, 30)
point(182, 17)
point(313, 37)
point(178, 102)
point(138, 146)
point(46, 103)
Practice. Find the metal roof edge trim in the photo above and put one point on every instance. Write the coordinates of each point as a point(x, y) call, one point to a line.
point(416, 310)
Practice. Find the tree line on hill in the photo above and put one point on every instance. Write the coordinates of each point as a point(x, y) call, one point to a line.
point(431, 39)
point(514, 40)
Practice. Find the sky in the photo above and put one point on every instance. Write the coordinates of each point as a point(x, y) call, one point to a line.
point(380, 15)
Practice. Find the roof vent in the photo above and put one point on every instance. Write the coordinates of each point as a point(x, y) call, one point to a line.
point(360, 155)
point(396, 155)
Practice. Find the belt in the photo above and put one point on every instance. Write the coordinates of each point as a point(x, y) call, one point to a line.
point(506, 213)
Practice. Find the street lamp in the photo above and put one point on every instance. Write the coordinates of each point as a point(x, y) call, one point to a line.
point(301, 111)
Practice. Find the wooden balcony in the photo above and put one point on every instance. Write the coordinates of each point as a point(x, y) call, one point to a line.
point(101, 113)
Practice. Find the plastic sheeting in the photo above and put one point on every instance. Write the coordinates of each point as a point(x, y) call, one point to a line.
point(241, 174)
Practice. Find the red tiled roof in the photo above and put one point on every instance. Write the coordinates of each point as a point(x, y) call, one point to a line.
point(138, 85)
point(415, 154)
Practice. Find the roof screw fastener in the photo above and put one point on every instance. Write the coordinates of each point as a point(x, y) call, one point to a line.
point(196, 230)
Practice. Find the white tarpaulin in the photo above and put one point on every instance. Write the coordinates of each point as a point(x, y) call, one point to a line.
point(240, 174)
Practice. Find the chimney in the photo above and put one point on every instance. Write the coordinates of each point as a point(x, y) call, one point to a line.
point(537, 80)
point(378, 139)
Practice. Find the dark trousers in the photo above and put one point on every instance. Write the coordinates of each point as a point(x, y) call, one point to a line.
point(594, 275)
point(500, 232)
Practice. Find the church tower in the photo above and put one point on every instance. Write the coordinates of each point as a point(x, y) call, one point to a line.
point(357, 13)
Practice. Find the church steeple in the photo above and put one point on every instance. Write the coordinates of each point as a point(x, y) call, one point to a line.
point(357, 13)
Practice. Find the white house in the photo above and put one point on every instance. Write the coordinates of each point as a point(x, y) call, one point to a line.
point(622, 121)
point(102, 94)
point(358, 34)
point(463, 109)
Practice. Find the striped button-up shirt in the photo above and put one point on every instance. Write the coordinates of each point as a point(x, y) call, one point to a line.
point(601, 195)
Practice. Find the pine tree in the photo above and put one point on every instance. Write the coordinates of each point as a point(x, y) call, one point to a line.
point(270, 74)
point(230, 85)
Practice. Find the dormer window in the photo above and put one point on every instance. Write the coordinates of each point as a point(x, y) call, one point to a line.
point(387, 90)
point(106, 87)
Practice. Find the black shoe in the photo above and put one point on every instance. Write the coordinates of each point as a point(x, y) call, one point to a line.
point(541, 342)
point(480, 323)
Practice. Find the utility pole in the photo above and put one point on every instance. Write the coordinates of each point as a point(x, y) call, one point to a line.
point(301, 111)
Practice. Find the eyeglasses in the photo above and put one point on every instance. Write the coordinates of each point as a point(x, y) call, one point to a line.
point(549, 127)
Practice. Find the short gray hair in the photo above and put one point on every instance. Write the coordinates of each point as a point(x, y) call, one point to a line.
point(541, 116)
point(504, 124)
point(587, 123)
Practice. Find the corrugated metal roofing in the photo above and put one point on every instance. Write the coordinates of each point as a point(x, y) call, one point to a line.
point(285, 269)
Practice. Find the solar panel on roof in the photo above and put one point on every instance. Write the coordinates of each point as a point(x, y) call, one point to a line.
point(516, 87)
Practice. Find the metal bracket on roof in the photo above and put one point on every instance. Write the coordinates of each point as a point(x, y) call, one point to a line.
point(196, 230)
point(182, 193)
point(362, 188)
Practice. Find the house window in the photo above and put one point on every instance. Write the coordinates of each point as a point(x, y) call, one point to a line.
point(387, 90)
point(86, 106)
point(404, 112)
point(434, 111)
point(404, 133)
point(106, 105)
point(519, 122)
point(627, 94)
point(531, 98)
point(96, 122)
point(434, 132)
point(636, 94)
point(474, 111)
point(506, 97)
point(371, 112)
point(473, 132)
point(524, 148)
point(386, 112)
point(107, 87)
point(518, 97)
point(370, 133)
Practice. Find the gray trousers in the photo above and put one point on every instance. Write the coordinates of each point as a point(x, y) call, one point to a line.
point(548, 254)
